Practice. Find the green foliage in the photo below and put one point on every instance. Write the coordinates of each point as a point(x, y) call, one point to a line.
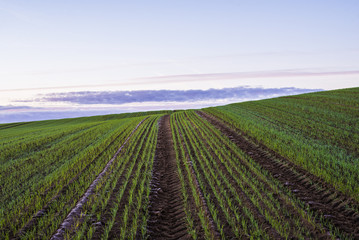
point(318, 131)
point(47, 166)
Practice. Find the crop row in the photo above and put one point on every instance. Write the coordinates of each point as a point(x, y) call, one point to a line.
point(320, 138)
point(16, 148)
point(242, 199)
point(49, 182)
point(118, 206)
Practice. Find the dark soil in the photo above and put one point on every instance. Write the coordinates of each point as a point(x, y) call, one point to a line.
point(320, 197)
point(166, 210)
point(245, 199)
point(290, 210)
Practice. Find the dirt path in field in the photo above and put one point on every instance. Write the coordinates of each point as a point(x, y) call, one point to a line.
point(166, 210)
point(75, 213)
point(323, 199)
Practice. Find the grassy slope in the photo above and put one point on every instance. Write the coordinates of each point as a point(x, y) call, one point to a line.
point(35, 155)
point(318, 131)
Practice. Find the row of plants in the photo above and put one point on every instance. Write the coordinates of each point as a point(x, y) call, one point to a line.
point(49, 182)
point(118, 207)
point(238, 189)
point(15, 147)
point(17, 139)
point(198, 219)
point(335, 128)
point(318, 137)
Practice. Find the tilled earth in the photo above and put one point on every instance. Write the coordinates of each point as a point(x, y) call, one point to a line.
point(167, 216)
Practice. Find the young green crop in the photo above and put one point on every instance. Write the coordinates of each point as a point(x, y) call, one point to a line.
point(228, 191)
point(318, 131)
point(68, 166)
point(239, 188)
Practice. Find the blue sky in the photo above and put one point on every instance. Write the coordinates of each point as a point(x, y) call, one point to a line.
point(58, 47)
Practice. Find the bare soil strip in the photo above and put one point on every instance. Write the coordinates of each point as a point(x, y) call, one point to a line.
point(166, 210)
point(321, 198)
point(315, 233)
point(75, 213)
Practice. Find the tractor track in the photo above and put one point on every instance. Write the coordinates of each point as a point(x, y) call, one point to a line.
point(166, 210)
point(319, 196)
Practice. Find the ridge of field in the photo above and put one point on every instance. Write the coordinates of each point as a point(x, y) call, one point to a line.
point(281, 168)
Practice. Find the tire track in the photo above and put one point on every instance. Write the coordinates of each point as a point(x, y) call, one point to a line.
point(166, 210)
point(315, 231)
point(243, 196)
point(323, 199)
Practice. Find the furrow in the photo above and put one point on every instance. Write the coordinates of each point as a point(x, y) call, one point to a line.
point(76, 211)
point(303, 185)
point(164, 222)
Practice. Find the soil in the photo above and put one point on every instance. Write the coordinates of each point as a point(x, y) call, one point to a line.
point(75, 213)
point(320, 197)
point(245, 199)
point(113, 201)
point(166, 210)
point(290, 210)
point(167, 217)
point(193, 207)
point(37, 216)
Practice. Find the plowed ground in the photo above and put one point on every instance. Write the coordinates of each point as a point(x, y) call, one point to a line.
point(167, 216)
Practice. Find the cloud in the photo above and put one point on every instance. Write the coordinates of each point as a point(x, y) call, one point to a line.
point(14, 108)
point(281, 73)
point(44, 115)
point(125, 97)
point(256, 74)
point(109, 102)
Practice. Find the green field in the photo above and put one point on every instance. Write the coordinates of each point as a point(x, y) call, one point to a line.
point(281, 168)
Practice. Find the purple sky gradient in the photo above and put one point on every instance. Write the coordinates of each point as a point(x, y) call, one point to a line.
point(87, 103)
point(53, 47)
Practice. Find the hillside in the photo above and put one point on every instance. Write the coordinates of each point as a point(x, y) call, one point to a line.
point(279, 168)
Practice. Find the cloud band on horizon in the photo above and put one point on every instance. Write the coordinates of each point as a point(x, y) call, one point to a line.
point(88, 103)
point(139, 96)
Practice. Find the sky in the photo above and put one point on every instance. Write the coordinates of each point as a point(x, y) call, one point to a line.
point(80, 58)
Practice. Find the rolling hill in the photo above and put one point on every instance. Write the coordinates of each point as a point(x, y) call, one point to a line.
point(281, 168)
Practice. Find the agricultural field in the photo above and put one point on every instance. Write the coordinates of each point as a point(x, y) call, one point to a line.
point(282, 168)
